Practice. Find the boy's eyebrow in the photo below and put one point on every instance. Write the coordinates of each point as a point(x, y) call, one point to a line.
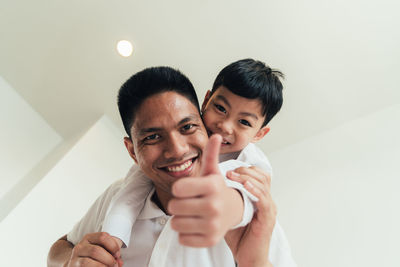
point(223, 99)
point(249, 115)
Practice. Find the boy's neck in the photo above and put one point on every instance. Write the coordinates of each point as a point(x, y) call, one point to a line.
point(228, 156)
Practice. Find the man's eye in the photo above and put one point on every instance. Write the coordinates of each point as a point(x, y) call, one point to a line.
point(220, 108)
point(151, 137)
point(187, 127)
point(244, 122)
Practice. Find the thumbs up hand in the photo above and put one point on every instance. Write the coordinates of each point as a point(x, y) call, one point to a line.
point(205, 208)
point(210, 158)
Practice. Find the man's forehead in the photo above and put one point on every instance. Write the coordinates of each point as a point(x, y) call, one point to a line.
point(164, 110)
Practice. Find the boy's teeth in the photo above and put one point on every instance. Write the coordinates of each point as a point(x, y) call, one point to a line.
point(180, 167)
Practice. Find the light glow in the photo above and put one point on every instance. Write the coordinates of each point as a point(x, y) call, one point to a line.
point(124, 48)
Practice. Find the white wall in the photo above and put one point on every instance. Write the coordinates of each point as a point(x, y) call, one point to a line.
point(63, 196)
point(337, 193)
point(25, 137)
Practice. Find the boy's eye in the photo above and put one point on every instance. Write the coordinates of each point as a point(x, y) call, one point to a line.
point(244, 122)
point(220, 108)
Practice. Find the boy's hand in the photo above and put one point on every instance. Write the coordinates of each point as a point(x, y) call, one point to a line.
point(204, 207)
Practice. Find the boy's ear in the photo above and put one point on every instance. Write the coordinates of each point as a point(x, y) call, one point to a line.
point(129, 146)
point(260, 134)
point(205, 101)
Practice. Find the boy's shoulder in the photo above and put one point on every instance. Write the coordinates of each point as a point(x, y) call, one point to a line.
point(254, 156)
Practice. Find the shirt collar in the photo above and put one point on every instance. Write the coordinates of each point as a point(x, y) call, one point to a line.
point(150, 209)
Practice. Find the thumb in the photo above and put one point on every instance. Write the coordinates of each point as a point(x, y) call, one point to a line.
point(210, 156)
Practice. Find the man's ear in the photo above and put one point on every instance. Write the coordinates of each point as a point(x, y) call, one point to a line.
point(260, 134)
point(129, 146)
point(205, 101)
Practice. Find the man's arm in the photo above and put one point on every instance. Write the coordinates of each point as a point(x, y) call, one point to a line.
point(60, 252)
point(92, 250)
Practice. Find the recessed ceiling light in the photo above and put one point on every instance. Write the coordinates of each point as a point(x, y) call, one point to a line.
point(124, 48)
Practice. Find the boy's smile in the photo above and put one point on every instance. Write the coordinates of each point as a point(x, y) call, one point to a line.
point(237, 119)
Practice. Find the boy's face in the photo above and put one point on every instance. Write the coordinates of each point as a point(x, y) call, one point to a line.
point(237, 119)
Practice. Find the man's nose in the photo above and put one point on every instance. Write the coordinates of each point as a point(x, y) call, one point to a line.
point(225, 126)
point(176, 146)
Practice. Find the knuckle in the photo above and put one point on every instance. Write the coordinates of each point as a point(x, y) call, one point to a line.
point(174, 223)
point(103, 236)
point(84, 262)
point(94, 252)
point(171, 206)
point(241, 170)
point(214, 208)
point(176, 188)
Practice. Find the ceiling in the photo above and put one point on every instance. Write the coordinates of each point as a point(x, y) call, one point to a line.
point(341, 58)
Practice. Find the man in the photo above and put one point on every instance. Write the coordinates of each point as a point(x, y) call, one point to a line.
point(167, 139)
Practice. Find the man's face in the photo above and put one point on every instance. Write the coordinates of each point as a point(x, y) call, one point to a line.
point(168, 138)
point(237, 119)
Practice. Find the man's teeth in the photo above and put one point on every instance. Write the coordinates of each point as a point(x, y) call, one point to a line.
point(181, 167)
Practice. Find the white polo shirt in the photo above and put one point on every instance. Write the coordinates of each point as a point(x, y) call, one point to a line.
point(154, 243)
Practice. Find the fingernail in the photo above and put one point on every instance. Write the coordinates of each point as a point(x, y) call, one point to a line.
point(249, 185)
point(234, 174)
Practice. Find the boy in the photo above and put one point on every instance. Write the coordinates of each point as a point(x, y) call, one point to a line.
point(245, 97)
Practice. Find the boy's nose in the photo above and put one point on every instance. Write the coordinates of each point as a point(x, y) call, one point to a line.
point(225, 127)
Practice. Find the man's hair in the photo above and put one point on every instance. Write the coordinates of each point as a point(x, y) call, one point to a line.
point(254, 80)
point(149, 82)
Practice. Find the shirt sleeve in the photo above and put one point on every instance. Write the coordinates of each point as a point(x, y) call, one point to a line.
point(93, 219)
point(127, 204)
point(248, 198)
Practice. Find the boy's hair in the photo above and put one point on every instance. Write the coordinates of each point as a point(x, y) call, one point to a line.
point(149, 82)
point(254, 80)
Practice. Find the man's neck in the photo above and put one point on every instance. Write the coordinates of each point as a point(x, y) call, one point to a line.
point(161, 199)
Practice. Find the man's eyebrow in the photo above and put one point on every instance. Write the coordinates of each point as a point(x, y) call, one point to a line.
point(148, 130)
point(248, 114)
point(223, 99)
point(191, 117)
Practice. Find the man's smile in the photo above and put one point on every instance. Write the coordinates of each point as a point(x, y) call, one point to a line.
point(182, 169)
